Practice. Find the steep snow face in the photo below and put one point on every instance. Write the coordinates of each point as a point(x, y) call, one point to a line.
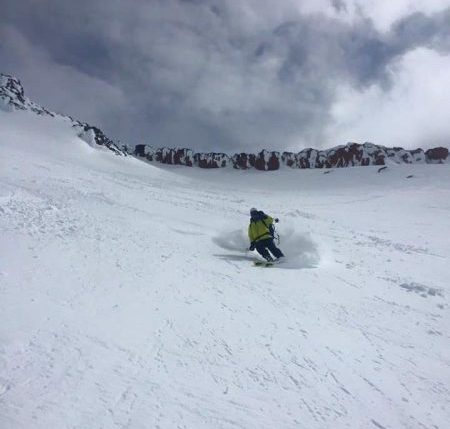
point(128, 300)
point(12, 97)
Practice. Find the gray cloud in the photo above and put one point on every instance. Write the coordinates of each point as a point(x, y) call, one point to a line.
point(207, 74)
point(339, 5)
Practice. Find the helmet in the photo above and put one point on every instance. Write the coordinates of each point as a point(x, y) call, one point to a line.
point(253, 210)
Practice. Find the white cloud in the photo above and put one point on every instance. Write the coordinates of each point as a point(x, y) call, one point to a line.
point(385, 12)
point(412, 113)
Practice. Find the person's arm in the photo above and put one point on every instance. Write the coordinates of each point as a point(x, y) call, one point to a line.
point(268, 220)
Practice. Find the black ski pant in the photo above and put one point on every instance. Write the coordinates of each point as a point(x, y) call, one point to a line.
point(264, 246)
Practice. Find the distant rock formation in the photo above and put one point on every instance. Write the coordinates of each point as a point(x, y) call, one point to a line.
point(437, 155)
point(350, 155)
point(12, 97)
point(211, 160)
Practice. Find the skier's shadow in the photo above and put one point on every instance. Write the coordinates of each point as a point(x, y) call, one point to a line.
point(286, 265)
point(233, 257)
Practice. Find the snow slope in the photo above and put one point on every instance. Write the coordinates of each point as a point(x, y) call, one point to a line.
point(127, 301)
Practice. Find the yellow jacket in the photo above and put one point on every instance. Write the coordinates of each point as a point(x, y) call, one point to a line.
point(260, 229)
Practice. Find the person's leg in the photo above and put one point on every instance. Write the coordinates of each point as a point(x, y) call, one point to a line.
point(261, 247)
point(274, 249)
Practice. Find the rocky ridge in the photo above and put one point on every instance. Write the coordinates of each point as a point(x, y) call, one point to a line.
point(12, 97)
point(349, 155)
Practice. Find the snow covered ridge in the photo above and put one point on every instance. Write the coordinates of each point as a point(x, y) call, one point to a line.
point(12, 97)
point(352, 154)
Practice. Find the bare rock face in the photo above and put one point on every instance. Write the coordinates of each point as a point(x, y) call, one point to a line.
point(11, 92)
point(243, 161)
point(344, 156)
point(177, 156)
point(418, 156)
point(139, 150)
point(311, 158)
point(307, 158)
point(351, 154)
point(145, 151)
point(211, 160)
point(266, 160)
point(93, 135)
point(437, 155)
point(12, 97)
point(289, 159)
point(354, 154)
point(402, 156)
point(321, 160)
point(273, 162)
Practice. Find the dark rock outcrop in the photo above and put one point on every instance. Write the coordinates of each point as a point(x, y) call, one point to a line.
point(139, 150)
point(400, 155)
point(243, 161)
point(437, 155)
point(171, 156)
point(266, 160)
point(349, 155)
point(289, 159)
point(212, 160)
point(12, 96)
point(93, 135)
point(354, 154)
point(175, 156)
point(311, 158)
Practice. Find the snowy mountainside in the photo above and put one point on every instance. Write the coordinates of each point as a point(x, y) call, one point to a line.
point(12, 97)
point(128, 301)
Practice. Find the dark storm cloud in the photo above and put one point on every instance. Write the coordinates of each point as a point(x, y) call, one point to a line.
point(204, 74)
point(358, 52)
point(339, 5)
point(419, 29)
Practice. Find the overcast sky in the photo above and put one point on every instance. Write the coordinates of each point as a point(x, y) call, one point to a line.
point(232, 75)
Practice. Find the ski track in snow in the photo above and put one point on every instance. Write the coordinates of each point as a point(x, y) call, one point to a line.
point(127, 300)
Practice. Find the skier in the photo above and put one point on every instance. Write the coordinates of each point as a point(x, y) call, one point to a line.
point(260, 233)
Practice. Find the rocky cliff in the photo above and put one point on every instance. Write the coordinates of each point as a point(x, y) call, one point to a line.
point(352, 154)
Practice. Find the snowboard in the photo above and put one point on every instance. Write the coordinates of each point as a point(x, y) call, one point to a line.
point(264, 263)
